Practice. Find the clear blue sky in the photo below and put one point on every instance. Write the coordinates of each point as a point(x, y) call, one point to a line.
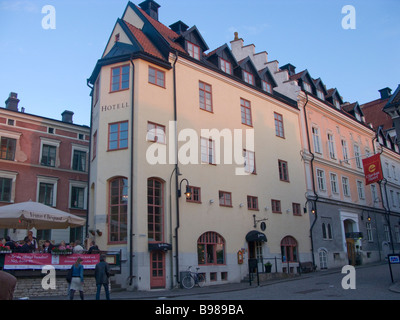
point(48, 68)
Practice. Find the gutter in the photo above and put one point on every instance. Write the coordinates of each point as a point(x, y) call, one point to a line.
point(89, 161)
point(130, 232)
point(314, 206)
point(176, 171)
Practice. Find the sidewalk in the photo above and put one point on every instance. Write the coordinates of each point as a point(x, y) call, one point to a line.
point(178, 292)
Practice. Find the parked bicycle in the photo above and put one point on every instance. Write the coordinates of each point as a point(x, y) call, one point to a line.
point(193, 278)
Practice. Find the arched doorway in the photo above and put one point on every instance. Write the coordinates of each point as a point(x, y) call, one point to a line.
point(349, 229)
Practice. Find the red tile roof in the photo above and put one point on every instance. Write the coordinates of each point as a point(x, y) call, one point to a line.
point(145, 42)
point(373, 114)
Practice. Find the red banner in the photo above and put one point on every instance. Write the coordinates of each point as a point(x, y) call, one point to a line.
point(22, 261)
point(373, 169)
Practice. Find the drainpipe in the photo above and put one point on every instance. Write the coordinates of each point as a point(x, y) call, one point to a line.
point(314, 202)
point(176, 171)
point(89, 164)
point(130, 232)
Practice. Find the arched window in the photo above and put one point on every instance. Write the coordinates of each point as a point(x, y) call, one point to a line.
point(118, 210)
point(155, 210)
point(211, 248)
point(289, 249)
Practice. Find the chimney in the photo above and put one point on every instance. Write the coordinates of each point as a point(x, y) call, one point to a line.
point(67, 116)
point(385, 93)
point(179, 27)
point(151, 8)
point(290, 68)
point(12, 102)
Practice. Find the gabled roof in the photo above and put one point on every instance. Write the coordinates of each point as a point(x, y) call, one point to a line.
point(303, 75)
point(394, 100)
point(266, 73)
point(374, 114)
point(319, 84)
point(334, 93)
point(193, 30)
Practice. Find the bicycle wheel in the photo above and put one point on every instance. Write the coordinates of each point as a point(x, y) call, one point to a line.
point(188, 282)
point(201, 280)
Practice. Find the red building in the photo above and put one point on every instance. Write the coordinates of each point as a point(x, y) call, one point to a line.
point(43, 160)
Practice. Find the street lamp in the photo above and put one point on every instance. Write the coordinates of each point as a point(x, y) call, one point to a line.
point(188, 192)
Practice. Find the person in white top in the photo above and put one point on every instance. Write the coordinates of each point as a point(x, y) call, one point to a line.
point(78, 248)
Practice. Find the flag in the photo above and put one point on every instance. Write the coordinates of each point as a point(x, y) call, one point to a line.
point(372, 169)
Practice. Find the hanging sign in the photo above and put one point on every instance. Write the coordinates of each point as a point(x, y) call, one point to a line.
point(373, 169)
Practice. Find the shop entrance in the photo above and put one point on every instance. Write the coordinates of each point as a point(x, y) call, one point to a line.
point(157, 269)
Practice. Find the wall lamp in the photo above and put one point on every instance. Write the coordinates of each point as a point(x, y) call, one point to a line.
point(188, 193)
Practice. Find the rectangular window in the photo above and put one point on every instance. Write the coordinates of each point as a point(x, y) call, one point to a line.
point(357, 155)
point(94, 145)
point(266, 86)
point(307, 86)
point(118, 210)
point(46, 193)
point(316, 140)
point(334, 183)
point(296, 209)
point(276, 206)
point(48, 155)
point(249, 162)
point(279, 129)
point(345, 151)
point(283, 171)
point(346, 187)
point(155, 132)
point(360, 190)
point(246, 112)
point(226, 66)
point(193, 50)
point(207, 151)
point(320, 94)
point(321, 180)
point(248, 77)
point(8, 146)
point(157, 77)
point(205, 96)
point(369, 232)
point(195, 195)
point(77, 198)
point(5, 189)
point(79, 161)
point(120, 78)
point(225, 199)
point(252, 203)
point(118, 136)
point(331, 146)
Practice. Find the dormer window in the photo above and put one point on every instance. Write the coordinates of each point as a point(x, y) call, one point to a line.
point(226, 66)
point(320, 94)
point(193, 50)
point(336, 103)
point(266, 86)
point(248, 77)
point(307, 86)
point(358, 117)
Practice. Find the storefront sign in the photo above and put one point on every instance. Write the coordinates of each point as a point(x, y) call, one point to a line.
point(36, 261)
point(116, 106)
point(372, 169)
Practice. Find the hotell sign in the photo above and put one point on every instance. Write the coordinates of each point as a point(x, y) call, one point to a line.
point(116, 106)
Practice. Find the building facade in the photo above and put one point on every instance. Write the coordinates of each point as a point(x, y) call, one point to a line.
point(169, 119)
point(46, 161)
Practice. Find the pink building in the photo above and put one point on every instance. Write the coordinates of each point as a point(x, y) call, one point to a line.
point(43, 160)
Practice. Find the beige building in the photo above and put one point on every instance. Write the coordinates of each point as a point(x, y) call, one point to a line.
point(170, 116)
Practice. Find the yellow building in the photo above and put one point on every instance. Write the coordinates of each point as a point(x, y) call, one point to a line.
point(170, 118)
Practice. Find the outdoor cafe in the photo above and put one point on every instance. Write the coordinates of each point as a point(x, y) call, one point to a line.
point(28, 265)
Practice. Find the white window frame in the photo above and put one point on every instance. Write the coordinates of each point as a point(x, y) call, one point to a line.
point(78, 184)
point(346, 186)
point(48, 180)
point(50, 142)
point(334, 183)
point(316, 139)
point(357, 156)
point(331, 146)
point(13, 177)
point(76, 147)
point(321, 180)
point(360, 190)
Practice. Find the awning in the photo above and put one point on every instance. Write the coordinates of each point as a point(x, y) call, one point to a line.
point(160, 246)
point(256, 236)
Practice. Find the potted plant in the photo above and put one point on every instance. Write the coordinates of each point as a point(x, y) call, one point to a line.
point(268, 267)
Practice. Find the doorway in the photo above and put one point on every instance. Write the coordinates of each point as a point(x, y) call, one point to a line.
point(157, 269)
point(256, 252)
point(351, 251)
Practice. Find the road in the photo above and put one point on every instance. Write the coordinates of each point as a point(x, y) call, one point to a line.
point(371, 283)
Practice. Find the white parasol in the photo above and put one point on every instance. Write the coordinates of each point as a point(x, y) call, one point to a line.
point(28, 215)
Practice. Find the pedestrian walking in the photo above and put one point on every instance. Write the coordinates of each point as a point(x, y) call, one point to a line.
point(77, 279)
point(102, 275)
point(7, 285)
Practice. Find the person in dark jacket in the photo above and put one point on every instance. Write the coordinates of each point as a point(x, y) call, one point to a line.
point(10, 243)
point(102, 274)
point(27, 247)
point(8, 283)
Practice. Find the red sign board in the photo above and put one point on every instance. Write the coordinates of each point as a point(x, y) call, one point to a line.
point(21, 261)
point(373, 169)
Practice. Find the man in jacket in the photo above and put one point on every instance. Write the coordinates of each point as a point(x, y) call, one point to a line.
point(102, 274)
point(7, 287)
